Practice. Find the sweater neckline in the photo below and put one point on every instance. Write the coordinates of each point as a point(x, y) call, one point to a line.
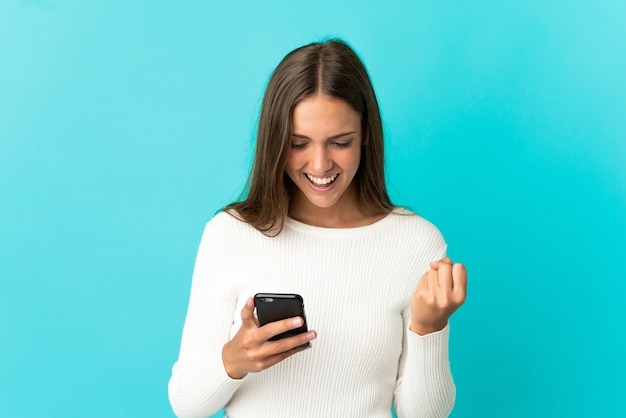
point(343, 232)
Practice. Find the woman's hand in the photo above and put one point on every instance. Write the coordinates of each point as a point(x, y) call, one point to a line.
point(440, 292)
point(250, 349)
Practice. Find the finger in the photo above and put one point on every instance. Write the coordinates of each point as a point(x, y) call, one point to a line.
point(275, 328)
point(423, 282)
point(433, 280)
point(290, 343)
point(247, 313)
point(436, 264)
point(277, 358)
point(445, 277)
point(459, 277)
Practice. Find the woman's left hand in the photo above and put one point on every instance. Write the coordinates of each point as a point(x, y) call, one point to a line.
point(440, 292)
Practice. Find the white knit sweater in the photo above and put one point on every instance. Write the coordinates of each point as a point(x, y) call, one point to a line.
point(356, 284)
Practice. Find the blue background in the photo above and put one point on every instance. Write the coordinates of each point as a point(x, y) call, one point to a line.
point(125, 125)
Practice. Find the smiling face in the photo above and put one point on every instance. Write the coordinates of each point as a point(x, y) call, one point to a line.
point(325, 154)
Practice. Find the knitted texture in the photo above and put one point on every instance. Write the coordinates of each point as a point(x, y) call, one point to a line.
point(356, 284)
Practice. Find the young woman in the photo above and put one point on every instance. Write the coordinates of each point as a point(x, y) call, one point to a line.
point(317, 221)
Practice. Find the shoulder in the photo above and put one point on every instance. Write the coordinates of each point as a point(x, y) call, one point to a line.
point(405, 220)
point(224, 219)
point(225, 235)
point(414, 234)
point(228, 223)
point(414, 238)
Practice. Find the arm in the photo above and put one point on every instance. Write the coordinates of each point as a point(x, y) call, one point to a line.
point(199, 385)
point(211, 365)
point(425, 386)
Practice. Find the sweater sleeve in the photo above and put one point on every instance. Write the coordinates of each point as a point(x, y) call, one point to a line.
point(199, 385)
point(425, 387)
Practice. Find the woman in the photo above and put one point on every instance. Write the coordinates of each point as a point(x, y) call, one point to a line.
point(317, 221)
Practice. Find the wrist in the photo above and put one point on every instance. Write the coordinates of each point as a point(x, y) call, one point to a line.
point(232, 372)
point(421, 329)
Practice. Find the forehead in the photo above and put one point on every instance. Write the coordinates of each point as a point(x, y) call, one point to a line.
point(323, 115)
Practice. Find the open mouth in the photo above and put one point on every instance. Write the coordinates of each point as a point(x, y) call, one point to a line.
point(322, 182)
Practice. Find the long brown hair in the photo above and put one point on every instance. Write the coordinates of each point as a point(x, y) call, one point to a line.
point(333, 68)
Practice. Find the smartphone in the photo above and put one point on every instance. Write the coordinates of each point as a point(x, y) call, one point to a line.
point(272, 307)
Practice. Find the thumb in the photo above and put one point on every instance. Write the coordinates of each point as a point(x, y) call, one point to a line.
point(434, 265)
point(247, 313)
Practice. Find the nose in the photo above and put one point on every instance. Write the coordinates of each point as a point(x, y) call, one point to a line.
point(321, 161)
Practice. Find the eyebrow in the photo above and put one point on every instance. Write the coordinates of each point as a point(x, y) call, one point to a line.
point(329, 138)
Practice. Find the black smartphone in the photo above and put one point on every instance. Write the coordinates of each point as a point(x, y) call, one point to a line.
point(272, 307)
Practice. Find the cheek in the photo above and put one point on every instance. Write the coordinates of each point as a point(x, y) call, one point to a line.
point(298, 159)
point(293, 163)
point(355, 160)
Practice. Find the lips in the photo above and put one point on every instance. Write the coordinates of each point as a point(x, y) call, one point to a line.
point(322, 180)
point(321, 183)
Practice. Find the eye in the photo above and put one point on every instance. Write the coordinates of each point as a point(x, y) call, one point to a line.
point(298, 145)
point(342, 144)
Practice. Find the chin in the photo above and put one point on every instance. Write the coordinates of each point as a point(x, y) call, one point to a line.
point(322, 204)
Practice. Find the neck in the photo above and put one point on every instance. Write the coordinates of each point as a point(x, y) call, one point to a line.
point(344, 214)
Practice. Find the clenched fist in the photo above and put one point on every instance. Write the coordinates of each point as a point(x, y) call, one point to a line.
point(440, 292)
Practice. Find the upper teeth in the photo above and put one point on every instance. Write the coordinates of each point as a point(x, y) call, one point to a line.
point(326, 180)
